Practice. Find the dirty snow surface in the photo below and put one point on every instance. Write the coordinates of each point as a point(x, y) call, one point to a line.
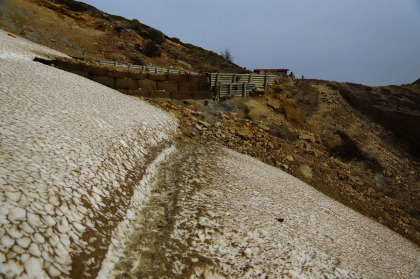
point(71, 154)
point(20, 48)
point(91, 185)
point(215, 213)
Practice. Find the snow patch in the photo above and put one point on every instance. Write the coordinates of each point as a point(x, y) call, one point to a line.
point(125, 228)
point(21, 49)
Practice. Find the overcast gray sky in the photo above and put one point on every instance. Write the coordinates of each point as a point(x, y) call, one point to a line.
point(373, 42)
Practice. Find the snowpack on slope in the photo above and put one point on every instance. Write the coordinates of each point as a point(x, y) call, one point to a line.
point(215, 213)
point(71, 153)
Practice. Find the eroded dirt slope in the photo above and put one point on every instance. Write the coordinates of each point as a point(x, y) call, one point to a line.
point(81, 30)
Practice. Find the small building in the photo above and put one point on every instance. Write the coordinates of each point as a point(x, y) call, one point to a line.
point(279, 72)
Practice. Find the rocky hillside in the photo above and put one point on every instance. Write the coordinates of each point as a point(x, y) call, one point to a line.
point(81, 30)
point(94, 183)
point(97, 184)
point(358, 144)
point(355, 143)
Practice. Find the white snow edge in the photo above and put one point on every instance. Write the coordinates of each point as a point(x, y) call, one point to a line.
point(18, 48)
point(125, 228)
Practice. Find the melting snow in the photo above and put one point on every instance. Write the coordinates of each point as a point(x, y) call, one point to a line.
point(67, 147)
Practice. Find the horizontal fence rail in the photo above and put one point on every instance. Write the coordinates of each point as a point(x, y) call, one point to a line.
point(221, 84)
point(155, 70)
point(260, 81)
point(233, 89)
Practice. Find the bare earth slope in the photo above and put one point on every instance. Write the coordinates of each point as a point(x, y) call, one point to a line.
point(80, 30)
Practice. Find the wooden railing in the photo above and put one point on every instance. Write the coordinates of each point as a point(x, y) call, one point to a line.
point(222, 84)
point(149, 69)
point(260, 81)
point(238, 84)
point(235, 89)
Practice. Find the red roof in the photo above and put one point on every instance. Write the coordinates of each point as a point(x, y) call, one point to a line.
point(271, 70)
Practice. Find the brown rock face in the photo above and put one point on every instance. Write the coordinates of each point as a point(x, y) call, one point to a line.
point(309, 138)
point(245, 134)
point(292, 112)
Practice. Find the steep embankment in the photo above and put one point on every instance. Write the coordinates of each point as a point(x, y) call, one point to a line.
point(81, 30)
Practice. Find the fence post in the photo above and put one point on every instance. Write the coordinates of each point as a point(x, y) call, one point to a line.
point(265, 81)
point(230, 89)
point(244, 89)
point(250, 78)
point(234, 78)
point(217, 79)
point(115, 63)
point(156, 70)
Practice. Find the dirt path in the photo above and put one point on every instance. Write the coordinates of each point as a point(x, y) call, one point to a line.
point(150, 250)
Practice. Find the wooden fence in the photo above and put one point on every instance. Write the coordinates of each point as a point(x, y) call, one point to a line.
point(221, 84)
point(235, 89)
point(260, 81)
point(155, 70)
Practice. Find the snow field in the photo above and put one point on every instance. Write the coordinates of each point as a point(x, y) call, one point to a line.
point(71, 153)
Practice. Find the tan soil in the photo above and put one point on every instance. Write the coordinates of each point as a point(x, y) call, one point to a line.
point(92, 34)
